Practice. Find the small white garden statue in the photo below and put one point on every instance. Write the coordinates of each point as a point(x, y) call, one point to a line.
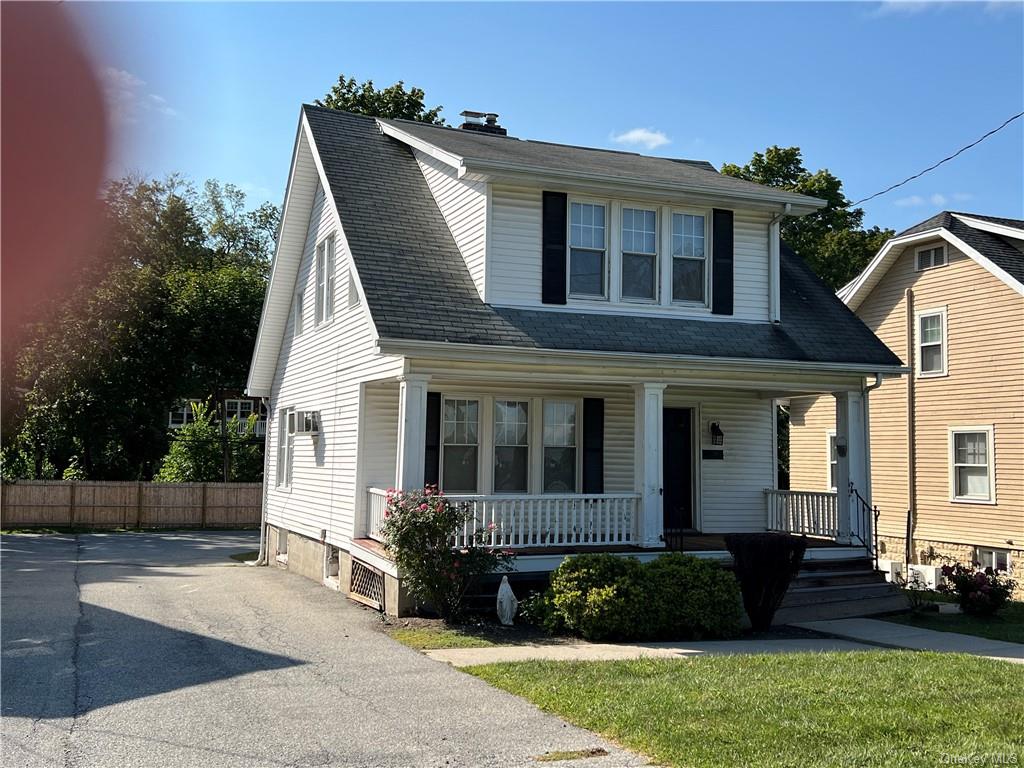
point(507, 603)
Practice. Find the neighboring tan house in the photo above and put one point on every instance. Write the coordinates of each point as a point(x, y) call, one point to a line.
point(584, 345)
point(947, 441)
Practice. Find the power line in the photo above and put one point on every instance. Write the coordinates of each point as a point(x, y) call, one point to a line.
point(943, 160)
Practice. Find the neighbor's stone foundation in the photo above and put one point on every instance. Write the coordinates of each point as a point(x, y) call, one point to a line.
point(929, 552)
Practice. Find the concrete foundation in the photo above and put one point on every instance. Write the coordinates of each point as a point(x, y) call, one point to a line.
point(930, 552)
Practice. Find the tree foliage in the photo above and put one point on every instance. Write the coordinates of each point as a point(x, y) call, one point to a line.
point(197, 450)
point(832, 240)
point(170, 310)
point(392, 102)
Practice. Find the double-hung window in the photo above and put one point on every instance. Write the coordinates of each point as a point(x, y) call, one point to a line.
point(971, 464)
point(639, 254)
point(460, 446)
point(931, 257)
point(587, 251)
point(931, 343)
point(285, 445)
point(689, 258)
point(181, 415)
point(325, 280)
point(559, 446)
point(298, 309)
point(511, 446)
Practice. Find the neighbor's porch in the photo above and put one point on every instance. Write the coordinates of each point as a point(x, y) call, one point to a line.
point(551, 467)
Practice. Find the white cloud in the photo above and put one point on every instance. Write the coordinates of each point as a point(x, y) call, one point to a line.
point(648, 138)
point(935, 199)
point(902, 7)
point(127, 98)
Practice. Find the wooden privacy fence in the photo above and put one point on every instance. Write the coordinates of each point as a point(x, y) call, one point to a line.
point(99, 504)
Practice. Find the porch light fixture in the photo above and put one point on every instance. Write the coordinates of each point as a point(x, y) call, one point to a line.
point(717, 436)
point(841, 446)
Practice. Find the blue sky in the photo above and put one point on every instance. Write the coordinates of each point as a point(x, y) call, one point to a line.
point(872, 91)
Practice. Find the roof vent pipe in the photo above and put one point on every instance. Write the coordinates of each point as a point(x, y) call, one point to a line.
point(482, 122)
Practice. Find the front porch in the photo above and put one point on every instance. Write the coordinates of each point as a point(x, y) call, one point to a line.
point(551, 466)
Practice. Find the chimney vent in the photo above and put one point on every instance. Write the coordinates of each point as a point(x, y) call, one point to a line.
point(482, 122)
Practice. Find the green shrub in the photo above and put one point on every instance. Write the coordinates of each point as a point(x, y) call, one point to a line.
point(979, 592)
point(677, 596)
point(598, 596)
point(690, 598)
point(765, 564)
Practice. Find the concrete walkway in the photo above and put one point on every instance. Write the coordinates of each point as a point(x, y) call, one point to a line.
point(892, 635)
point(467, 657)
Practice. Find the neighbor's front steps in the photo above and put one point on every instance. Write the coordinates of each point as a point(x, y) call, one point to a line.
point(838, 589)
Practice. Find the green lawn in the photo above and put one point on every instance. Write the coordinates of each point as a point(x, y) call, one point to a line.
point(875, 708)
point(423, 638)
point(1007, 625)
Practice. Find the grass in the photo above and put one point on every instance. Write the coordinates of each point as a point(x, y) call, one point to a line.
point(877, 708)
point(1007, 625)
point(429, 638)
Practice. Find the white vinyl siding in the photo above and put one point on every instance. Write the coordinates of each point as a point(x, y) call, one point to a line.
point(514, 260)
point(324, 371)
point(463, 204)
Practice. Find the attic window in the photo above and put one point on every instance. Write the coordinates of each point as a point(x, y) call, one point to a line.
point(934, 256)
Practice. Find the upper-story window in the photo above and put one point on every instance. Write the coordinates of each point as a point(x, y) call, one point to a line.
point(325, 280)
point(298, 310)
point(931, 341)
point(689, 258)
point(934, 256)
point(639, 254)
point(587, 250)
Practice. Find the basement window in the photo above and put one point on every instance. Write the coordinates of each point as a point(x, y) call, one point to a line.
point(996, 559)
point(282, 545)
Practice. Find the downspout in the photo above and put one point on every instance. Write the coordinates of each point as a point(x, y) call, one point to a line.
point(261, 559)
point(774, 268)
point(911, 430)
point(872, 534)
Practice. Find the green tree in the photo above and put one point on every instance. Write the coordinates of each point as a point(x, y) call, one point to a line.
point(393, 102)
point(196, 453)
point(832, 240)
point(172, 312)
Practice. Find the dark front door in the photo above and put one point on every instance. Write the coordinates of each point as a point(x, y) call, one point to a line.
point(677, 477)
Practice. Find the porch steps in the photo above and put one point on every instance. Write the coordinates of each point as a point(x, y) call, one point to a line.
point(839, 589)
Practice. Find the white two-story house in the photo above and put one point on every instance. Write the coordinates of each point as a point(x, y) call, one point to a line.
point(585, 345)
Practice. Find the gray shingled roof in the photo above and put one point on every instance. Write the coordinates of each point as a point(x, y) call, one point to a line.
point(540, 155)
point(418, 288)
point(991, 246)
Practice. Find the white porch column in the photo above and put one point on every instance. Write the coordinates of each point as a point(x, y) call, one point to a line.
point(853, 467)
point(650, 399)
point(412, 431)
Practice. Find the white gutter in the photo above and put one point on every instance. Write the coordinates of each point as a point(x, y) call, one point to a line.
point(774, 267)
point(451, 350)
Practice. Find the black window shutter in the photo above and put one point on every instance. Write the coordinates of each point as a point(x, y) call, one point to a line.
point(593, 445)
point(721, 262)
point(553, 228)
point(432, 452)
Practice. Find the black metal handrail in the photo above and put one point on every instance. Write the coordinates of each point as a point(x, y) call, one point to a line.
point(865, 511)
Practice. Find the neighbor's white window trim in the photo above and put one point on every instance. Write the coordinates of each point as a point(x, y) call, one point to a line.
point(670, 260)
point(187, 416)
point(830, 435)
point(608, 271)
point(990, 452)
point(918, 316)
point(932, 247)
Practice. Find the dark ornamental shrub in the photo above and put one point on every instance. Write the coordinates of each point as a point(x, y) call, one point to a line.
point(418, 531)
point(765, 564)
point(980, 593)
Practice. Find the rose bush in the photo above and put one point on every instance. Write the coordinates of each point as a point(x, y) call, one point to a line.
point(979, 592)
point(418, 529)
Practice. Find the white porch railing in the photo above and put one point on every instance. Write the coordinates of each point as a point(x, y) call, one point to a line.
point(546, 520)
point(814, 513)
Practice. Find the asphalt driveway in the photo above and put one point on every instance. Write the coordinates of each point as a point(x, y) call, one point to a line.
point(140, 649)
